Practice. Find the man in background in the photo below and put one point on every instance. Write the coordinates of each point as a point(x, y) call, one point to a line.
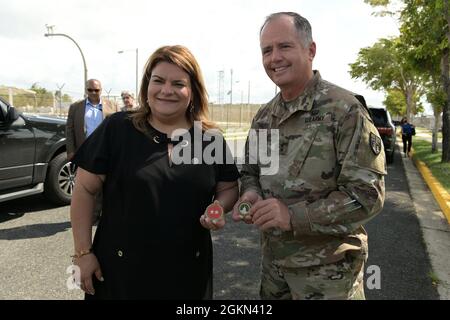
point(85, 116)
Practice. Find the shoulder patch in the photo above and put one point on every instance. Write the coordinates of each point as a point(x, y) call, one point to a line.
point(375, 143)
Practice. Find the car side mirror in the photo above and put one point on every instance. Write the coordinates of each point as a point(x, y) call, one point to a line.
point(12, 115)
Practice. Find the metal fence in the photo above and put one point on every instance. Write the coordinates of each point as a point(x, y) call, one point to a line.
point(236, 115)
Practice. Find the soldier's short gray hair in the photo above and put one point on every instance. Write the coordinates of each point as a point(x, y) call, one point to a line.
point(302, 26)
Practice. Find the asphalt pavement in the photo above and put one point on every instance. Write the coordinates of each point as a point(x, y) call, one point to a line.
point(396, 244)
point(35, 249)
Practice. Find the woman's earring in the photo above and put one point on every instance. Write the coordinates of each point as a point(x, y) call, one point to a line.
point(191, 108)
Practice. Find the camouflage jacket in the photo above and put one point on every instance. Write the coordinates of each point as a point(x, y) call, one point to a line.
point(331, 174)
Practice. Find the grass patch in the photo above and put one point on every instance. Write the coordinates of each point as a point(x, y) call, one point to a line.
point(429, 132)
point(441, 171)
point(434, 278)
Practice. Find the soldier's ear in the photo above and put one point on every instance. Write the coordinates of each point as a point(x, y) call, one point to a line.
point(312, 50)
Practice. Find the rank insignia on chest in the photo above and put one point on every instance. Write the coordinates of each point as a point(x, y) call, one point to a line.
point(375, 143)
point(315, 118)
point(214, 211)
point(244, 209)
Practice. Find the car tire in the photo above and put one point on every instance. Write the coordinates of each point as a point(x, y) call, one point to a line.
point(390, 158)
point(59, 182)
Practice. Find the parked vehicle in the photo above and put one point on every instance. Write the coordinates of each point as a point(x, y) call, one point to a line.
point(33, 157)
point(386, 128)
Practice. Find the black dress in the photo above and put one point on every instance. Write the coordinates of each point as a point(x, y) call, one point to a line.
point(149, 241)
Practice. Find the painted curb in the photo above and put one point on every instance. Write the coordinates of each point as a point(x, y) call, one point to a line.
point(440, 194)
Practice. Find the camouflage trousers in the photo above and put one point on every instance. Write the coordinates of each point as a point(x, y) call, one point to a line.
point(343, 280)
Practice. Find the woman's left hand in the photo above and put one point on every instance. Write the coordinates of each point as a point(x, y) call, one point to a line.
point(207, 223)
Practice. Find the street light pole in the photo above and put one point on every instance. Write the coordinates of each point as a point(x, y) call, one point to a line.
point(137, 70)
point(51, 34)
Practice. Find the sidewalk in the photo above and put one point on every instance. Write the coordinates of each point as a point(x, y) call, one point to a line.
point(435, 228)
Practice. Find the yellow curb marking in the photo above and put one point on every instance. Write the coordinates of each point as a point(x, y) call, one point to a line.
point(440, 194)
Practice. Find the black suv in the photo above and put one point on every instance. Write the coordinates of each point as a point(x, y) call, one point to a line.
point(33, 157)
point(383, 122)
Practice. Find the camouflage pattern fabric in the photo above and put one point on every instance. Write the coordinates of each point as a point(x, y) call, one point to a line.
point(331, 175)
point(342, 280)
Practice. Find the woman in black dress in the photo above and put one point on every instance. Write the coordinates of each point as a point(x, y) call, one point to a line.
point(159, 168)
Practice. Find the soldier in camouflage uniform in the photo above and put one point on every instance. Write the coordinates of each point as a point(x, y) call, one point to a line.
point(330, 179)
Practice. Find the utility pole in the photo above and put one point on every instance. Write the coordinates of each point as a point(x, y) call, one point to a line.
point(248, 93)
point(51, 34)
point(240, 108)
point(231, 96)
point(220, 92)
point(231, 90)
point(248, 101)
point(60, 97)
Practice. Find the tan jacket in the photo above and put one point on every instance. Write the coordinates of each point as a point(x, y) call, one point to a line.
point(75, 129)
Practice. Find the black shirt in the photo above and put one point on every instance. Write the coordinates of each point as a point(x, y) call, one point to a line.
point(149, 241)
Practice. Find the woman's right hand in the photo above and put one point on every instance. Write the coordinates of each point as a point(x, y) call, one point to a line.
point(88, 265)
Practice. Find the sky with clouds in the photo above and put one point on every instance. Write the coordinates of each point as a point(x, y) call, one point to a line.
point(223, 35)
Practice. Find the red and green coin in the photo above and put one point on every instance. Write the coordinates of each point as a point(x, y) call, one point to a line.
point(214, 211)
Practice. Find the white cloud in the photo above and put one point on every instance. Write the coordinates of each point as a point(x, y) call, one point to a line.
point(221, 34)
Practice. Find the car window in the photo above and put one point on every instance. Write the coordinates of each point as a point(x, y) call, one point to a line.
point(379, 117)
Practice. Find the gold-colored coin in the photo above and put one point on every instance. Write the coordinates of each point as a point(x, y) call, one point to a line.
point(244, 209)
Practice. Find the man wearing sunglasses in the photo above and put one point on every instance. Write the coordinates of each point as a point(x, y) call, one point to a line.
point(85, 116)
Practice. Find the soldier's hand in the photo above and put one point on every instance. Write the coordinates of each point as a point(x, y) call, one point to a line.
point(70, 156)
point(250, 196)
point(271, 213)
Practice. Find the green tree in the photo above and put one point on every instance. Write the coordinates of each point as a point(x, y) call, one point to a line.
point(437, 98)
point(425, 28)
point(395, 102)
point(66, 98)
point(388, 65)
point(21, 97)
point(43, 97)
